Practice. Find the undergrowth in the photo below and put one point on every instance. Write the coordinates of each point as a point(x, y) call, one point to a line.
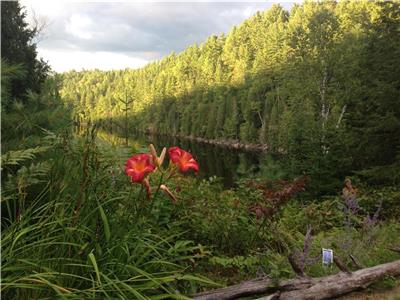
point(75, 227)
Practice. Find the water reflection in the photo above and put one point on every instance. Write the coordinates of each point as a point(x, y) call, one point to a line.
point(228, 164)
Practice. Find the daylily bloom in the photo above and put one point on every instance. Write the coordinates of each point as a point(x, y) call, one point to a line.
point(138, 166)
point(184, 160)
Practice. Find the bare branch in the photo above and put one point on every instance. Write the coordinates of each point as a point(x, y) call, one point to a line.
point(39, 26)
point(341, 116)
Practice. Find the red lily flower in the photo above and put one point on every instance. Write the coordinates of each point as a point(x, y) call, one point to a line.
point(138, 166)
point(184, 160)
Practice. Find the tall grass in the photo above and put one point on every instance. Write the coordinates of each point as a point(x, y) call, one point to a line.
point(75, 234)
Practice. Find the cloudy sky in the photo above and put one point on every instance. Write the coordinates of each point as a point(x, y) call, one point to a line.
point(126, 34)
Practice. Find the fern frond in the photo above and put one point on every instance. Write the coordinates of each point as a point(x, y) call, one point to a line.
point(14, 158)
point(33, 174)
point(26, 176)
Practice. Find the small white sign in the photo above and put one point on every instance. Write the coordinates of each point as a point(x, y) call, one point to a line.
point(327, 257)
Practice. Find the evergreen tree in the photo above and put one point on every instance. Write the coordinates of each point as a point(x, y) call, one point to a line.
point(18, 48)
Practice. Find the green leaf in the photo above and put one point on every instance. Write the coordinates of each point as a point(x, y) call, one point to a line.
point(96, 268)
point(106, 225)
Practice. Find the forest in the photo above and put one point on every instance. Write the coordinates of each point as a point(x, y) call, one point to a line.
point(319, 84)
point(317, 87)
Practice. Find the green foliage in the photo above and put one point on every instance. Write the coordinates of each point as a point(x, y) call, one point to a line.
point(19, 51)
point(223, 218)
point(388, 196)
point(25, 124)
point(375, 118)
point(9, 72)
point(265, 244)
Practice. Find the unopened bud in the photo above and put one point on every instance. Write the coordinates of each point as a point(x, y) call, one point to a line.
point(168, 192)
point(153, 152)
point(162, 156)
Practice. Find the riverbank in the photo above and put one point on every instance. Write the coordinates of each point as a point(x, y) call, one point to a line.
point(227, 143)
point(231, 144)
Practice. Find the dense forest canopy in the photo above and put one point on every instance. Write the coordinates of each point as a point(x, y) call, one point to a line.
point(318, 83)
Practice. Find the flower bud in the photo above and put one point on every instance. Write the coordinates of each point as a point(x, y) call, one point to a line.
point(168, 192)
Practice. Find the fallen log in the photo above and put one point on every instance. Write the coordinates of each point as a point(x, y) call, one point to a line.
point(342, 283)
point(246, 288)
point(305, 288)
point(256, 286)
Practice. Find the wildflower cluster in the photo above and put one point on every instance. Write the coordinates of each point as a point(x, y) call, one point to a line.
point(140, 166)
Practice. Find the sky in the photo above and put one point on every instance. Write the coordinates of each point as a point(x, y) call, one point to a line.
point(109, 35)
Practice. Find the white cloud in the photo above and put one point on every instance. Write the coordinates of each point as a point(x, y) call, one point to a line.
point(77, 60)
point(79, 26)
point(248, 12)
point(115, 35)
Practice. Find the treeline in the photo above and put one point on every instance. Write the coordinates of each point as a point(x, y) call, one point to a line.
point(319, 83)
